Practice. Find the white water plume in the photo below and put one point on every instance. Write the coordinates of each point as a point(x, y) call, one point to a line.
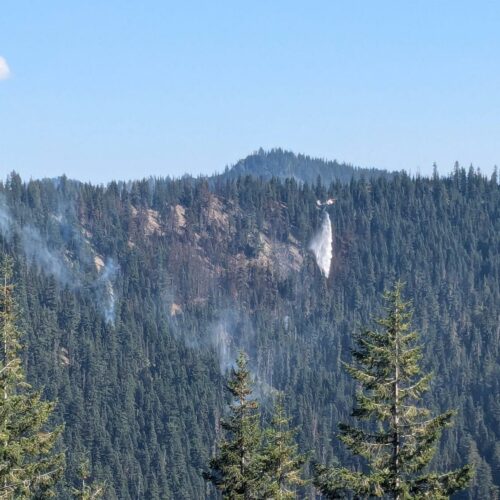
point(321, 245)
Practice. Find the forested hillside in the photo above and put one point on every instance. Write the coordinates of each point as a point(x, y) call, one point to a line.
point(287, 165)
point(137, 296)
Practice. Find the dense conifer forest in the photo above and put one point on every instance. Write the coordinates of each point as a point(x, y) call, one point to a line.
point(136, 298)
point(287, 165)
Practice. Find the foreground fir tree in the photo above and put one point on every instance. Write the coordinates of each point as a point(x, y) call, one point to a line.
point(236, 470)
point(281, 461)
point(28, 466)
point(403, 441)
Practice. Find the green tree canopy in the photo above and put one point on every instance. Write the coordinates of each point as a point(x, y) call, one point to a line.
point(29, 468)
point(282, 462)
point(235, 471)
point(402, 442)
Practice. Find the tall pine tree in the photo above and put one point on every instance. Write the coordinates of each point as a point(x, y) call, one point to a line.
point(282, 463)
point(236, 470)
point(402, 441)
point(29, 468)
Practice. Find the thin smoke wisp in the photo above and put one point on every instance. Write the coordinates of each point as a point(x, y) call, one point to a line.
point(35, 247)
point(222, 341)
point(52, 261)
point(321, 245)
point(106, 279)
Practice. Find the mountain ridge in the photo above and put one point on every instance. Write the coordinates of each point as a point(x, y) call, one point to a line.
point(137, 296)
point(275, 163)
point(283, 164)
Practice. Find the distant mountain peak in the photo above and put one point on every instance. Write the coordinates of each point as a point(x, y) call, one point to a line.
point(284, 164)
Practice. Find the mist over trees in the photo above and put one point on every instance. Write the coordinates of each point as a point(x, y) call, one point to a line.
point(253, 462)
point(141, 396)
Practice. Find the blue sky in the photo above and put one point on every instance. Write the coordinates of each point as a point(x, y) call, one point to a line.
point(126, 89)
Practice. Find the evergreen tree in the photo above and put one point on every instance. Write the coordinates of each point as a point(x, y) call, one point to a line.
point(29, 468)
point(236, 470)
point(282, 463)
point(403, 441)
point(87, 491)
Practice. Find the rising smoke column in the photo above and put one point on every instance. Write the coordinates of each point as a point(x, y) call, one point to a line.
point(107, 290)
point(52, 261)
point(35, 247)
point(321, 245)
point(223, 343)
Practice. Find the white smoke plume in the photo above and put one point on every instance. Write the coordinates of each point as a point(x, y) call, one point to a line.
point(232, 333)
point(35, 247)
point(223, 344)
point(36, 250)
point(321, 245)
point(5, 220)
point(223, 336)
point(109, 298)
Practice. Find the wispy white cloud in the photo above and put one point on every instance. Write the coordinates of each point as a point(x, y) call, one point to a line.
point(4, 69)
